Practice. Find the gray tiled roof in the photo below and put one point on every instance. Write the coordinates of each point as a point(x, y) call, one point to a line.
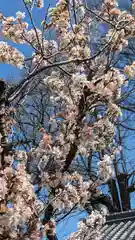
point(119, 226)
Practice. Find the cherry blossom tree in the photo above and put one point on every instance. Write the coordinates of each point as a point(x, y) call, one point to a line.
point(84, 89)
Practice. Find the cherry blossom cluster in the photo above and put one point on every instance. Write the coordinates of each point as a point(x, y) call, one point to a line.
point(129, 70)
point(105, 169)
point(123, 25)
point(11, 55)
point(84, 90)
point(90, 228)
point(15, 188)
point(40, 3)
point(133, 4)
point(13, 28)
point(60, 16)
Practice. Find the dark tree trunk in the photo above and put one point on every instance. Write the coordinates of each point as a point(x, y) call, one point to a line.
point(124, 193)
point(114, 193)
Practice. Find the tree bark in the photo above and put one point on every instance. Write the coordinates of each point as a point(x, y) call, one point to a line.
point(114, 194)
point(124, 193)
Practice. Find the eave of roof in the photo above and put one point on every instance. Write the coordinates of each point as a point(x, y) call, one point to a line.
point(119, 226)
point(121, 216)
